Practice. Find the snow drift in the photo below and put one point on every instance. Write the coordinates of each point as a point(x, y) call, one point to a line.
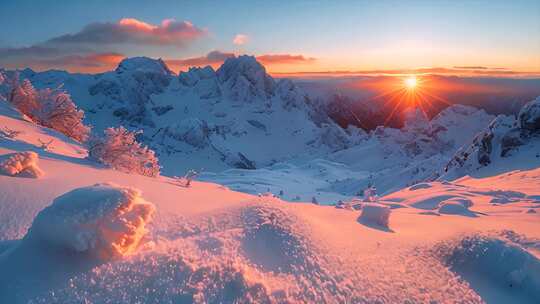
point(104, 220)
point(23, 164)
point(505, 264)
point(373, 213)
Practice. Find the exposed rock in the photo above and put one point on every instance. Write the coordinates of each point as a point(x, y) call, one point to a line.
point(529, 116)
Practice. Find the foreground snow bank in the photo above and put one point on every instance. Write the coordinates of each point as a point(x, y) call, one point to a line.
point(375, 214)
point(506, 265)
point(104, 220)
point(22, 164)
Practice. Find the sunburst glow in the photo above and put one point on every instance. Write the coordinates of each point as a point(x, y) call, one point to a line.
point(397, 93)
point(411, 82)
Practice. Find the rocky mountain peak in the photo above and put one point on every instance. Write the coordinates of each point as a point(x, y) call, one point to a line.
point(246, 78)
point(143, 64)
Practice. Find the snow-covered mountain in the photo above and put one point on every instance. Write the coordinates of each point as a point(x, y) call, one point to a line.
point(509, 143)
point(237, 116)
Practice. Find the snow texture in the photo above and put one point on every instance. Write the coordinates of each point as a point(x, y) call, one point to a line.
point(499, 262)
point(374, 213)
point(455, 206)
point(104, 220)
point(21, 164)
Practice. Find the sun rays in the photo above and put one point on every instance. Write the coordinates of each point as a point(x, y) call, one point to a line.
point(409, 91)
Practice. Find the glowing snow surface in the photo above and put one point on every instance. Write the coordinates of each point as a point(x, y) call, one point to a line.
point(208, 244)
point(103, 220)
point(23, 164)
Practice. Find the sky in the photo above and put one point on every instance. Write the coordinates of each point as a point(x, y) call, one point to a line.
point(470, 36)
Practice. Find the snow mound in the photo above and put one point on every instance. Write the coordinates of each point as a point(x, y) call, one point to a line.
point(373, 213)
point(23, 164)
point(420, 186)
point(272, 243)
point(104, 220)
point(455, 206)
point(506, 265)
point(167, 277)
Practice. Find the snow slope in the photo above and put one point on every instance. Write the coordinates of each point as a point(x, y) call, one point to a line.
point(209, 244)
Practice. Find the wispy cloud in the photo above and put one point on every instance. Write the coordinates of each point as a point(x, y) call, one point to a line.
point(284, 59)
point(212, 58)
point(456, 71)
point(216, 58)
point(240, 39)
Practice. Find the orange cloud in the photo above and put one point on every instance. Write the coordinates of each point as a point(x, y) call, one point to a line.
point(455, 71)
point(87, 63)
point(216, 58)
point(97, 47)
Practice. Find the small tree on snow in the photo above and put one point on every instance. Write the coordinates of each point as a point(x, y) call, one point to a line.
point(45, 145)
point(24, 97)
point(50, 108)
point(119, 149)
point(57, 111)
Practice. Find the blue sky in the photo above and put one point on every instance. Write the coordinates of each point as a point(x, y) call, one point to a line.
point(340, 35)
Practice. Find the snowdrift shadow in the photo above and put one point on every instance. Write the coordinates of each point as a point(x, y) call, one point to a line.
point(497, 269)
point(372, 225)
point(36, 267)
point(18, 145)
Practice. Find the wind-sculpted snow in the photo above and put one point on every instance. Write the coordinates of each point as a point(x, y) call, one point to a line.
point(456, 206)
point(500, 269)
point(22, 164)
point(104, 221)
point(375, 214)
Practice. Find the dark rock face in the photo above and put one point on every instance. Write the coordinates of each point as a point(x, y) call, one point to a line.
point(529, 116)
point(485, 148)
point(244, 162)
point(511, 141)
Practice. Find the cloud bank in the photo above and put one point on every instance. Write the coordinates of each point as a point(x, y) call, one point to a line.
point(133, 31)
point(99, 46)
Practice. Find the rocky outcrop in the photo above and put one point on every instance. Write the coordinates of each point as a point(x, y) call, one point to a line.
point(504, 136)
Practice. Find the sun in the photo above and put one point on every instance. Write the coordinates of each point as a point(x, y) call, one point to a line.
point(411, 82)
